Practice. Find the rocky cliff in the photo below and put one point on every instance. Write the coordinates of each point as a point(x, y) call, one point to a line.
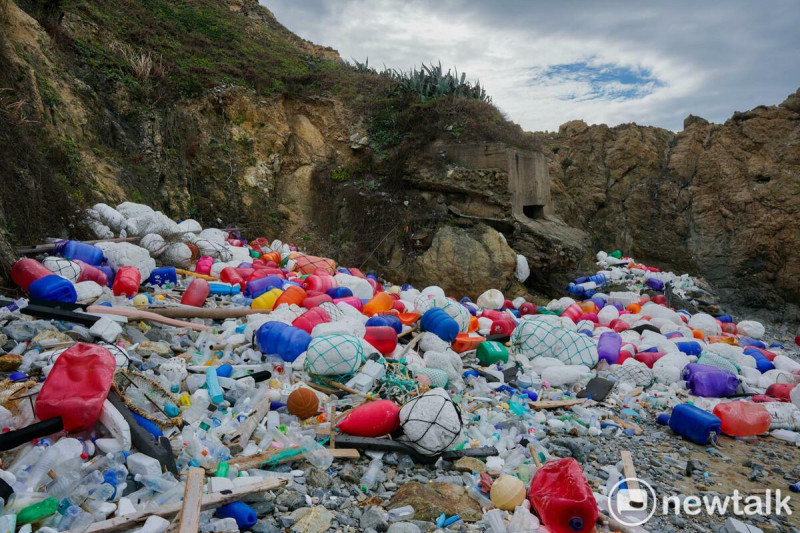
point(720, 200)
point(213, 110)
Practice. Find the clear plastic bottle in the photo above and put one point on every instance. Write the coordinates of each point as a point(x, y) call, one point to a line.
point(370, 478)
point(400, 514)
point(314, 453)
point(155, 483)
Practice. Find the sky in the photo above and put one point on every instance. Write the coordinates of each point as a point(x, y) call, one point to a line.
point(547, 62)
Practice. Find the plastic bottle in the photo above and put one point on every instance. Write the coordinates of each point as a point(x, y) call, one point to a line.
point(77, 386)
point(91, 273)
point(127, 281)
point(562, 497)
point(370, 478)
point(212, 383)
point(314, 453)
point(49, 287)
point(196, 293)
point(400, 514)
point(495, 519)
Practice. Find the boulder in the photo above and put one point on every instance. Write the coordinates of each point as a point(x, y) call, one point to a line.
point(431, 500)
point(467, 261)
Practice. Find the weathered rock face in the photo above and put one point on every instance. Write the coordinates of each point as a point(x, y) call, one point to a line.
point(721, 201)
point(467, 262)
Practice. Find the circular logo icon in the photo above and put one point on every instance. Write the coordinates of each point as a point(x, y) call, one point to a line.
point(632, 504)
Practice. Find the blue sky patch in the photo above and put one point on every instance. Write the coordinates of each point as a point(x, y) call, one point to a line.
point(605, 81)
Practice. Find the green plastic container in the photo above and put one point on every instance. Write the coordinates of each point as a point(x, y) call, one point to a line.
point(491, 352)
point(37, 511)
point(616, 253)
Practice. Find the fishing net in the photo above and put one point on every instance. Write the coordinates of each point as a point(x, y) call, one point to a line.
point(308, 264)
point(633, 371)
point(213, 249)
point(63, 267)
point(333, 311)
point(334, 355)
point(437, 376)
point(455, 310)
point(538, 338)
point(717, 361)
point(431, 422)
point(397, 384)
point(145, 397)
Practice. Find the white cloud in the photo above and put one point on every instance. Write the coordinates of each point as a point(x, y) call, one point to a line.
point(709, 60)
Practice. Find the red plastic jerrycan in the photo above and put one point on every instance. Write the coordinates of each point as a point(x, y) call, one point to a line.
point(319, 283)
point(311, 318)
point(232, 276)
point(742, 419)
point(91, 273)
point(127, 281)
point(562, 497)
point(573, 312)
point(503, 326)
point(314, 301)
point(26, 271)
point(77, 386)
point(196, 293)
point(383, 338)
point(204, 264)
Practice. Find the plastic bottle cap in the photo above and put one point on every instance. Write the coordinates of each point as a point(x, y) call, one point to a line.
point(576, 523)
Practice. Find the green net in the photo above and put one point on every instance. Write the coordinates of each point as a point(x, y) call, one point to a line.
point(539, 338)
point(455, 310)
point(717, 361)
point(334, 355)
point(438, 377)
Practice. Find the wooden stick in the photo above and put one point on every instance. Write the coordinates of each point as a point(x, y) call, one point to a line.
point(254, 461)
point(189, 515)
point(554, 404)
point(135, 314)
point(214, 499)
point(247, 428)
point(410, 345)
point(332, 421)
point(627, 424)
point(195, 274)
point(204, 312)
point(634, 491)
point(535, 456)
